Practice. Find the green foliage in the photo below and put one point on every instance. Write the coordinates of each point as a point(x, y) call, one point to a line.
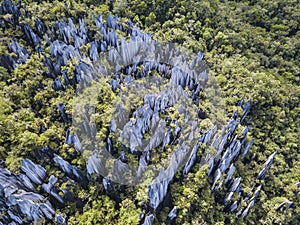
point(252, 47)
point(100, 211)
point(128, 213)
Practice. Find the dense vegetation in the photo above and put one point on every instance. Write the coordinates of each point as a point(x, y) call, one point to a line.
point(252, 47)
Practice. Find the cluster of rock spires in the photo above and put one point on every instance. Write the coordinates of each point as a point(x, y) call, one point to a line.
point(18, 198)
point(230, 147)
point(286, 204)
